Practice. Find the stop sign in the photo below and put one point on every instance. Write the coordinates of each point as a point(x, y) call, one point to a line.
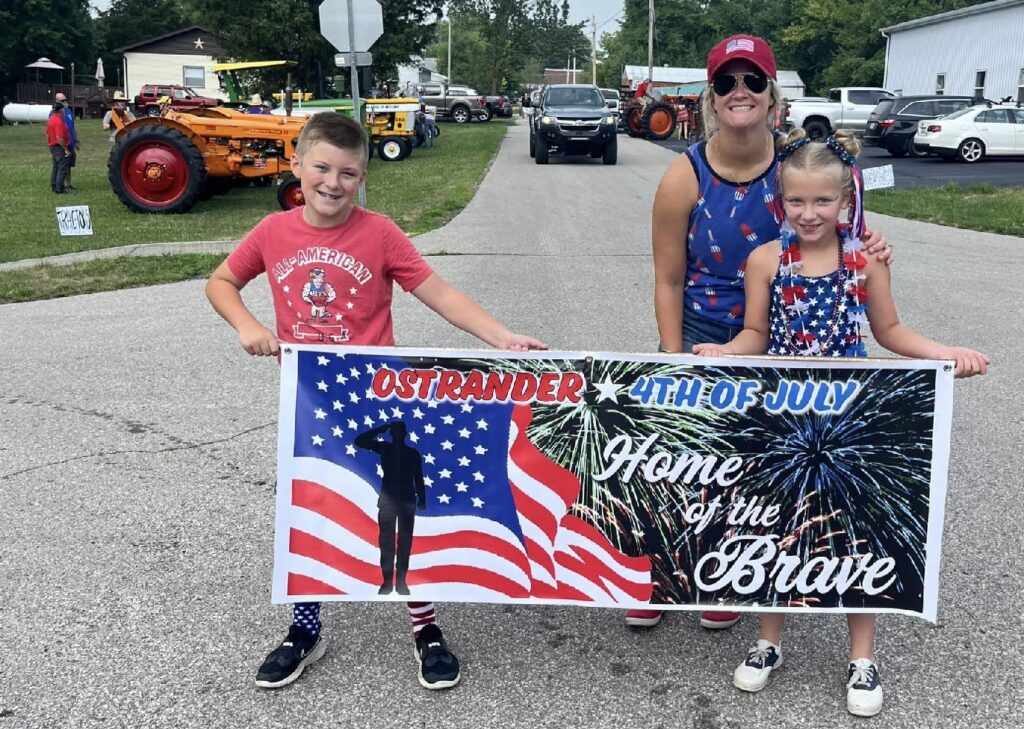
point(368, 23)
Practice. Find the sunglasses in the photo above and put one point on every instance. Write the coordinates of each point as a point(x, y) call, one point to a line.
point(724, 83)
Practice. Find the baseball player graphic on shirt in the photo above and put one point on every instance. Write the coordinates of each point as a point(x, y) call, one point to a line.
point(318, 294)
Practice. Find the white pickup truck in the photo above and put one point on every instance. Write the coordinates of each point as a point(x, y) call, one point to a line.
point(846, 107)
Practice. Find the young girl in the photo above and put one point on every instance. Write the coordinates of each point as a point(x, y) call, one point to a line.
point(786, 315)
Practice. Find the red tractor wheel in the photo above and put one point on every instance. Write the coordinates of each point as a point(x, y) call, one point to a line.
point(659, 121)
point(289, 192)
point(634, 121)
point(156, 169)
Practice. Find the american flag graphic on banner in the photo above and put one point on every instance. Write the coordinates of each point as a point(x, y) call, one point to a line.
point(496, 526)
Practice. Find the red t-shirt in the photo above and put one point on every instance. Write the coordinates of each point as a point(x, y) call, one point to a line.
point(641, 90)
point(55, 127)
point(331, 285)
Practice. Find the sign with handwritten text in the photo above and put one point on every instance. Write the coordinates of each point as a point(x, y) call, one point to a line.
point(74, 220)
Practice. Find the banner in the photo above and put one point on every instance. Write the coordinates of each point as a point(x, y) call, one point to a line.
point(611, 480)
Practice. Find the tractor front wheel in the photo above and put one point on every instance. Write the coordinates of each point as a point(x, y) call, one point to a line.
point(289, 192)
point(393, 149)
point(156, 169)
point(659, 121)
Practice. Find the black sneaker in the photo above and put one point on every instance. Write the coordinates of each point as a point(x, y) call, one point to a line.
point(439, 668)
point(863, 688)
point(286, 662)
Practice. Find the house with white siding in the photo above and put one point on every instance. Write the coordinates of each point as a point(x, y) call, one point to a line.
point(184, 57)
point(974, 51)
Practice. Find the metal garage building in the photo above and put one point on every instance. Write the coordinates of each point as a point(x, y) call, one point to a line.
point(978, 50)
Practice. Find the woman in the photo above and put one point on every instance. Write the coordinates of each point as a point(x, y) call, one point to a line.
point(716, 204)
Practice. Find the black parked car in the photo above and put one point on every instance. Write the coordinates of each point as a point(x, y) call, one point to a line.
point(573, 119)
point(893, 122)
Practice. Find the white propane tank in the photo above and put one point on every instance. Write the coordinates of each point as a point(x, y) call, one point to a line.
point(30, 113)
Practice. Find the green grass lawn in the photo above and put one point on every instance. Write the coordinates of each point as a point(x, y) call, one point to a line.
point(979, 207)
point(420, 193)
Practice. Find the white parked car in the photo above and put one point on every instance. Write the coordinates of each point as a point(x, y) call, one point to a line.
point(973, 133)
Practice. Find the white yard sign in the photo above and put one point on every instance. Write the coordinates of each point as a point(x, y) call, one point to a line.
point(74, 220)
point(878, 177)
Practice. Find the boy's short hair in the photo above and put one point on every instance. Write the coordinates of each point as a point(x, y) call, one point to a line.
point(337, 130)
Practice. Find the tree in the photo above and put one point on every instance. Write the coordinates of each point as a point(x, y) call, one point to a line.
point(60, 30)
point(289, 29)
point(127, 22)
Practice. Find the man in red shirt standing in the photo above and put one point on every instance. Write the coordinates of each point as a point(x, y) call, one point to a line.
point(58, 140)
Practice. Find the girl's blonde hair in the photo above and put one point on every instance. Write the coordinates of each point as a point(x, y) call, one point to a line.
point(809, 155)
point(709, 117)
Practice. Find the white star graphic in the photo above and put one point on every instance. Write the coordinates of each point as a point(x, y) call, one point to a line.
point(478, 503)
point(199, 44)
point(414, 437)
point(286, 289)
point(428, 480)
point(463, 433)
point(322, 386)
point(481, 424)
point(447, 419)
point(396, 412)
point(447, 445)
point(467, 408)
point(336, 431)
point(444, 498)
point(369, 368)
point(317, 440)
point(444, 473)
point(320, 414)
point(350, 305)
point(479, 450)
point(429, 429)
point(350, 449)
point(352, 425)
point(417, 413)
point(432, 404)
point(368, 421)
point(608, 390)
point(463, 461)
point(477, 476)
point(353, 397)
point(341, 379)
point(322, 361)
point(339, 317)
point(429, 458)
point(462, 486)
point(354, 372)
point(337, 405)
point(352, 291)
point(380, 471)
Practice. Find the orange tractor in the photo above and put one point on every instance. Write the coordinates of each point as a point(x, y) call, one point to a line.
point(165, 164)
point(657, 119)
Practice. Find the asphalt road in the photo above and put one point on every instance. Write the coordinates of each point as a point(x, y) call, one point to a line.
point(136, 497)
point(931, 171)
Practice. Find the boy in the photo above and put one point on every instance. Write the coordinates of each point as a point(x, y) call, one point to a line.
point(358, 254)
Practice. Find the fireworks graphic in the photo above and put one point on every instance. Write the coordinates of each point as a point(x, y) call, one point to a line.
point(848, 484)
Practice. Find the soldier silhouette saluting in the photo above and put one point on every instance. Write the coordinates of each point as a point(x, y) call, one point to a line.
point(402, 491)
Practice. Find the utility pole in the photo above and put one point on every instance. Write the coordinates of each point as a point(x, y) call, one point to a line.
point(449, 46)
point(593, 49)
point(650, 41)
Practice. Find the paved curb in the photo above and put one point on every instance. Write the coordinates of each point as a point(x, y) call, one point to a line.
point(140, 249)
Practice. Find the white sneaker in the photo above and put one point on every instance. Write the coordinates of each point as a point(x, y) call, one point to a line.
point(752, 674)
point(863, 688)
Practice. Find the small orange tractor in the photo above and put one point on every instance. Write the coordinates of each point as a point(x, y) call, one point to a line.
point(165, 164)
point(657, 119)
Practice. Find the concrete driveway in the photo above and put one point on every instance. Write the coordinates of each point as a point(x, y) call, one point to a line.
point(136, 497)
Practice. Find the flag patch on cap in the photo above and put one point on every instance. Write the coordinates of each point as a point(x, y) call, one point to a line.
point(740, 44)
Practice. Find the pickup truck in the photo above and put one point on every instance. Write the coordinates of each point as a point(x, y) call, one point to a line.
point(846, 107)
point(497, 105)
point(182, 99)
point(455, 103)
